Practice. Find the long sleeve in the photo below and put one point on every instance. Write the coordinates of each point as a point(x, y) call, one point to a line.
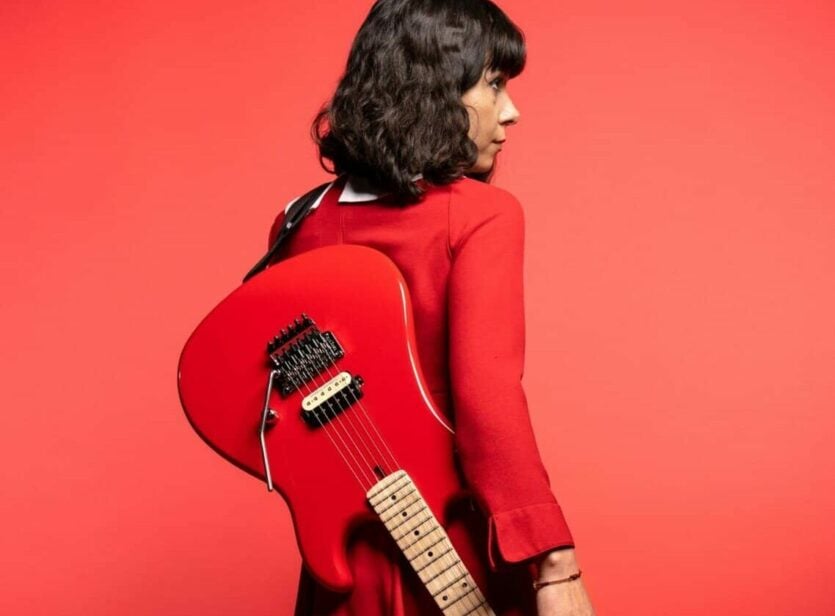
point(494, 437)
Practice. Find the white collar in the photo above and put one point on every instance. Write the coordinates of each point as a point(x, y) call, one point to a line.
point(357, 190)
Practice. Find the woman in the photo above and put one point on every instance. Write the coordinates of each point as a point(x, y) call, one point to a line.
point(413, 131)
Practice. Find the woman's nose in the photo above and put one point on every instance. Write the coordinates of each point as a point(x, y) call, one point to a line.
point(509, 113)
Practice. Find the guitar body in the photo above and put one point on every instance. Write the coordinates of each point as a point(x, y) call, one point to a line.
point(323, 466)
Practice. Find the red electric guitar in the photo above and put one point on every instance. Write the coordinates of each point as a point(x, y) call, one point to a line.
point(307, 377)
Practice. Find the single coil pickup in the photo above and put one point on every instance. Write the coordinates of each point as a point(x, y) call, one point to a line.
point(304, 360)
point(320, 415)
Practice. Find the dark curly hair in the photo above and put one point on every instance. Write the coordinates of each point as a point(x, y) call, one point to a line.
point(397, 109)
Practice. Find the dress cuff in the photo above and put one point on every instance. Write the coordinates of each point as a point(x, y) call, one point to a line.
point(526, 532)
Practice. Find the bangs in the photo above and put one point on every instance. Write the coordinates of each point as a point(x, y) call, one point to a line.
point(505, 46)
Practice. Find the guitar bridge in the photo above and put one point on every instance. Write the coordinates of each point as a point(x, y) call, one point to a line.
point(300, 353)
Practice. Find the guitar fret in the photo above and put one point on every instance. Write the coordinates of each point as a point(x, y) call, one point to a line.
point(399, 502)
point(434, 559)
point(417, 527)
point(481, 606)
point(471, 590)
point(407, 519)
point(398, 478)
point(450, 584)
point(425, 544)
point(440, 573)
point(429, 547)
point(419, 539)
point(409, 546)
point(461, 602)
point(411, 518)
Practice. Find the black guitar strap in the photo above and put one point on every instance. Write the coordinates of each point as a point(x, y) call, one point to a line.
point(295, 214)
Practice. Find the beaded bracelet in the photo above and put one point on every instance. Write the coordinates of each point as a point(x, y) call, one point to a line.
point(573, 576)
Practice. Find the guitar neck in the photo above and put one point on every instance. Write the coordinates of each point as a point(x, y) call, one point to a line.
point(426, 546)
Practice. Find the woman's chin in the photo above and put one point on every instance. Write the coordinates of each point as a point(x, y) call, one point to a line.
point(483, 165)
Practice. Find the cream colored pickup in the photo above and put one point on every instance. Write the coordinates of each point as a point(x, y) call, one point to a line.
point(327, 391)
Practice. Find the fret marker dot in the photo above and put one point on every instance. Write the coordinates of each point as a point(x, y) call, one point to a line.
point(444, 597)
point(430, 554)
point(417, 532)
point(404, 514)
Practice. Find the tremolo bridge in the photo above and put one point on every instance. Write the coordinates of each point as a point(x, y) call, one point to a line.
point(302, 353)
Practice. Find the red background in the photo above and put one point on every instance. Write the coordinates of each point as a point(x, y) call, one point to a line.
point(675, 163)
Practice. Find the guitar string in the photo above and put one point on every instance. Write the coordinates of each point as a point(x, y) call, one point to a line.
point(330, 413)
point(396, 465)
point(323, 359)
point(447, 560)
point(324, 427)
point(336, 422)
point(330, 438)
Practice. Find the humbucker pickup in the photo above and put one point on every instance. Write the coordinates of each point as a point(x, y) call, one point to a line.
point(327, 401)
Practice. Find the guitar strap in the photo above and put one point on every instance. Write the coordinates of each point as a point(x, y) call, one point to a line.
point(295, 214)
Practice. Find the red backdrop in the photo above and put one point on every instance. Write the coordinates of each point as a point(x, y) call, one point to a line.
point(675, 162)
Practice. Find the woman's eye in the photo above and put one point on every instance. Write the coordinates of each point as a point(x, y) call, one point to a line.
point(497, 83)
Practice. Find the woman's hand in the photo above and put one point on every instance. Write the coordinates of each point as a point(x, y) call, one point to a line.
point(565, 598)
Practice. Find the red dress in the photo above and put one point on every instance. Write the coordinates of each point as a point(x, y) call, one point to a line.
point(461, 253)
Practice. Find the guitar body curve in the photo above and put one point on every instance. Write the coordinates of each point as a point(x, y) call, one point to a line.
point(323, 466)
